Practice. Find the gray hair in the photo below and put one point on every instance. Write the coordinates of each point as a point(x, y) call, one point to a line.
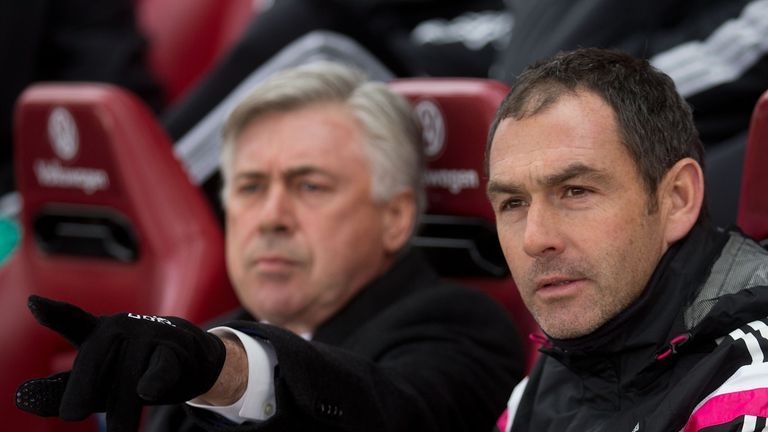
point(393, 143)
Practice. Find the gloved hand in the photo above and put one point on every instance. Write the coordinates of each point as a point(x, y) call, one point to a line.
point(124, 361)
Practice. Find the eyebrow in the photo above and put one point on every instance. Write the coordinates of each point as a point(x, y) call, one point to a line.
point(288, 174)
point(305, 170)
point(570, 172)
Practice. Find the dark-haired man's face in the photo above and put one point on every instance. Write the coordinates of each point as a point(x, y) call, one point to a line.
point(572, 215)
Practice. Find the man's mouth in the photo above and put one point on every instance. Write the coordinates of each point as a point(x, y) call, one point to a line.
point(557, 283)
point(274, 263)
point(558, 286)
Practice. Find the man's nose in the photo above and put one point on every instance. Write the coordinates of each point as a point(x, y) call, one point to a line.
point(544, 229)
point(277, 213)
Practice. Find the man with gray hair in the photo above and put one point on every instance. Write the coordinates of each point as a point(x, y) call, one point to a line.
point(342, 327)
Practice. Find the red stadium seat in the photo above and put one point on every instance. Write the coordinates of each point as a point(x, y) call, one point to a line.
point(752, 216)
point(458, 233)
point(110, 221)
point(186, 38)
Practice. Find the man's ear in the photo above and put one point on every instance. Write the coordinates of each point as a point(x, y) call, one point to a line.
point(399, 217)
point(681, 196)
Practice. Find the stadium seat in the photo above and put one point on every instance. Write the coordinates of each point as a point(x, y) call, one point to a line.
point(110, 221)
point(186, 38)
point(458, 233)
point(752, 216)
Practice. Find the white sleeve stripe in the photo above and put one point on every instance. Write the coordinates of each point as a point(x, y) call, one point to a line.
point(747, 377)
point(750, 339)
point(761, 327)
point(514, 402)
point(724, 56)
point(753, 346)
point(749, 424)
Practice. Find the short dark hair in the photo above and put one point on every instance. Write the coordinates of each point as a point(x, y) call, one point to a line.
point(655, 123)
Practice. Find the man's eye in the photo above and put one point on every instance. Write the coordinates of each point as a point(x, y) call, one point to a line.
point(511, 204)
point(313, 187)
point(310, 187)
point(576, 192)
point(248, 188)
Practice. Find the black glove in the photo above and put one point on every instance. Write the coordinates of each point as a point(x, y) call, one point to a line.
point(124, 361)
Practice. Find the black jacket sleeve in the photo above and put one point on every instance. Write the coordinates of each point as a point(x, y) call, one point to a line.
point(444, 360)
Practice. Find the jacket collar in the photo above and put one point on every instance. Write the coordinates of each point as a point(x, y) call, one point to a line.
point(408, 273)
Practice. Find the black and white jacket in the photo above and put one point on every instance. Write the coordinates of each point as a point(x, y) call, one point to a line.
point(690, 355)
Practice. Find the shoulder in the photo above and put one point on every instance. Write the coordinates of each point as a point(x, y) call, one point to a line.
point(746, 349)
point(415, 288)
point(742, 363)
point(450, 299)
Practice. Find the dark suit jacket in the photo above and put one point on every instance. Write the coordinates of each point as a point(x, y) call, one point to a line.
point(410, 353)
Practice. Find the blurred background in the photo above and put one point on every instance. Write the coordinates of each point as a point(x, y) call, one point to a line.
point(71, 215)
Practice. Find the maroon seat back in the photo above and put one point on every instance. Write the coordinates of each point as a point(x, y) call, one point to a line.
point(187, 38)
point(458, 234)
point(110, 222)
point(752, 215)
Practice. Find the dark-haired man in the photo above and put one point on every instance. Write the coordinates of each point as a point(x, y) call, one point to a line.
point(656, 320)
